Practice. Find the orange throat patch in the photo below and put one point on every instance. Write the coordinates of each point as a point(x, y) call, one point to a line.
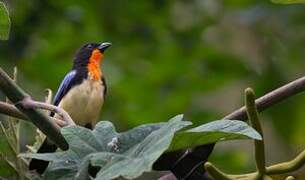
point(94, 69)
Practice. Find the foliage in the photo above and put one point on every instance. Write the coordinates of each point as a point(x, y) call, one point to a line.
point(4, 22)
point(213, 132)
point(186, 67)
point(131, 153)
point(13, 167)
point(170, 57)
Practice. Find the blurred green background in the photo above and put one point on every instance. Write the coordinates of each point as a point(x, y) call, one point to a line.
point(193, 57)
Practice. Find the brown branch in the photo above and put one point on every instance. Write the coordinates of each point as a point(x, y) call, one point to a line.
point(295, 87)
point(38, 118)
point(12, 111)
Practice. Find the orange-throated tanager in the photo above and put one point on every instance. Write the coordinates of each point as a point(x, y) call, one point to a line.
point(81, 94)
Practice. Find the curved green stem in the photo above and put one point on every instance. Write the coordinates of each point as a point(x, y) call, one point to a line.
point(215, 172)
point(253, 117)
point(289, 166)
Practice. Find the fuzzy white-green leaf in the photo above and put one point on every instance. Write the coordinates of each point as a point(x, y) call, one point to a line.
point(131, 153)
point(138, 148)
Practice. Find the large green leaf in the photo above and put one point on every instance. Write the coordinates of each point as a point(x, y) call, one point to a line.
point(213, 132)
point(138, 148)
point(288, 1)
point(4, 22)
point(131, 153)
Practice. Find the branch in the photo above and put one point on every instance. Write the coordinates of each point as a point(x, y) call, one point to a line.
point(295, 87)
point(39, 119)
point(12, 111)
point(28, 103)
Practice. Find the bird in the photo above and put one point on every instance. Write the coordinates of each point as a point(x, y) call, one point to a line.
point(81, 93)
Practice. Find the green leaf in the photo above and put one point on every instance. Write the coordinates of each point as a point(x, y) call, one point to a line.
point(212, 132)
point(288, 1)
point(126, 154)
point(130, 154)
point(140, 157)
point(4, 22)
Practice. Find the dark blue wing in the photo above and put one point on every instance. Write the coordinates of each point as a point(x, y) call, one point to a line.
point(64, 87)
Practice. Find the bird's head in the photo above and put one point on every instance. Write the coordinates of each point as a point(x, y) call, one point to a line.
point(89, 57)
point(91, 53)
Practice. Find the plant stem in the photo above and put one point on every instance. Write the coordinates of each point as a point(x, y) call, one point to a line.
point(49, 96)
point(289, 166)
point(215, 173)
point(12, 111)
point(39, 119)
point(258, 144)
point(28, 103)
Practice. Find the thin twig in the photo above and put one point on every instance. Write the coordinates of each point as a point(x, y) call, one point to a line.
point(14, 122)
point(28, 103)
point(15, 73)
point(49, 96)
point(11, 110)
point(295, 87)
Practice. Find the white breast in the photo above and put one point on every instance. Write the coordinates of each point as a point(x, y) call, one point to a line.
point(84, 102)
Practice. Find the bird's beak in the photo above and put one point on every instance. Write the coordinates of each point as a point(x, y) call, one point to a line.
point(102, 47)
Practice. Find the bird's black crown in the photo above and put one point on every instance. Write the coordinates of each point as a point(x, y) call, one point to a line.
point(84, 53)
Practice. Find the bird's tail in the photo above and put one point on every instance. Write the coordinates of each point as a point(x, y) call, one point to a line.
point(40, 165)
point(186, 164)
